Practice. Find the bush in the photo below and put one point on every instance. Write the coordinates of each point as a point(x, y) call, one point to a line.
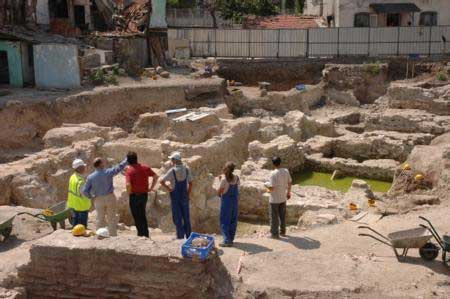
point(111, 79)
point(374, 69)
point(441, 76)
point(99, 77)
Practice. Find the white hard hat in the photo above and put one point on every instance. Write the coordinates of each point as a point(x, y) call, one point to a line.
point(102, 232)
point(78, 163)
point(175, 156)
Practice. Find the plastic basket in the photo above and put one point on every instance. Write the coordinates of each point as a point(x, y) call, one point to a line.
point(202, 254)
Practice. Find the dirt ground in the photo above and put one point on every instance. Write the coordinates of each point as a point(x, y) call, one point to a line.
point(14, 251)
point(334, 261)
point(326, 262)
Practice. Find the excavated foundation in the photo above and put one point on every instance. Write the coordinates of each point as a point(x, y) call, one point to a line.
point(62, 266)
point(29, 118)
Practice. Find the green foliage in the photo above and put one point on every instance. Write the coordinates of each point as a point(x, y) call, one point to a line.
point(180, 3)
point(441, 76)
point(236, 9)
point(111, 79)
point(374, 68)
point(99, 77)
point(299, 5)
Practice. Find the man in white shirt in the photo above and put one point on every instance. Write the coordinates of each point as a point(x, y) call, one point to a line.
point(279, 185)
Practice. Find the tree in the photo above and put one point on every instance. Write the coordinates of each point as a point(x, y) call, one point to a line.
point(212, 6)
point(236, 9)
point(180, 3)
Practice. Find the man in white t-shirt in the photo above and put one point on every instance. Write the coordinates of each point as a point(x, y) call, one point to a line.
point(279, 185)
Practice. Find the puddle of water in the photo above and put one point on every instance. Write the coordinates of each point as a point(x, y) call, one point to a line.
point(321, 179)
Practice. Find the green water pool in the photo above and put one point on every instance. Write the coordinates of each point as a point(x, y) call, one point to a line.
point(321, 179)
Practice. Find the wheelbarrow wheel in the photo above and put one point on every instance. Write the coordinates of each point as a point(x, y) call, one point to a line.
point(429, 252)
point(7, 232)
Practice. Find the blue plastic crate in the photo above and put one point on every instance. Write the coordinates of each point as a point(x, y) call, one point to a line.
point(201, 253)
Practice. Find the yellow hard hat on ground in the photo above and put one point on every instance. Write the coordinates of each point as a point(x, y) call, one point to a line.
point(419, 177)
point(406, 166)
point(79, 230)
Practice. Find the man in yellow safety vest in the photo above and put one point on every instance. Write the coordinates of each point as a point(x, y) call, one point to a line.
point(79, 203)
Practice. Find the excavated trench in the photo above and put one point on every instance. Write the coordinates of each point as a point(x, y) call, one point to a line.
point(28, 118)
point(284, 74)
point(313, 141)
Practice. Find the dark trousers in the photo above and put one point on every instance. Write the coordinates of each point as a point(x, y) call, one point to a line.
point(80, 218)
point(278, 218)
point(138, 202)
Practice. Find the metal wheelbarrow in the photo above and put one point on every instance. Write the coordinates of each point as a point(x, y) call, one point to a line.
point(444, 242)
point(59, 215)
point(6, 226)
point(406, 239)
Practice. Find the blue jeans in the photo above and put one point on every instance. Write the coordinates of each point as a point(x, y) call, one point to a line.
point(80, 218)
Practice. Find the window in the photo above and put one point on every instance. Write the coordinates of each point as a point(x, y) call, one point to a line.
point(428, 18)
point(4, 68)
point(58, 9)
point(362, 20)
point(393, 19)
point(373, 20)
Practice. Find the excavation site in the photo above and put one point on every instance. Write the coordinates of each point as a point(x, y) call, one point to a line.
point(366, 146)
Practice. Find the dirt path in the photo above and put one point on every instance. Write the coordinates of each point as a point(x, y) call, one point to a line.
point(14, 252)
point(333, 260)
point(326, 262)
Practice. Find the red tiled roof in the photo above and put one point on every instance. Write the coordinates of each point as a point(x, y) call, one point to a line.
point(281, 22)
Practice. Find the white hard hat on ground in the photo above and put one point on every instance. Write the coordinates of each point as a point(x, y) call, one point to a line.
point(175, 156)
point(102, 232)
point(78, 163)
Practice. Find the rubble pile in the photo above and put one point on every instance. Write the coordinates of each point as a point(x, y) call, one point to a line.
point(132, 17)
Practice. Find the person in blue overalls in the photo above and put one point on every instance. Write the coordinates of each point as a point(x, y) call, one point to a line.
point(229, 194)
point(180, 179)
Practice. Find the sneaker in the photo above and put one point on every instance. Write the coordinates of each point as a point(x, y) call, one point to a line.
point(276, 237)
point(225, 244)
point(283, 234)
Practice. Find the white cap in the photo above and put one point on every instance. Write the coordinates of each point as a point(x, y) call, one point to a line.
point(175, 156)
point(78, 163)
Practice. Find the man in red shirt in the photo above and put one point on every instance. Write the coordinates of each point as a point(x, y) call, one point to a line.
point(137, 176)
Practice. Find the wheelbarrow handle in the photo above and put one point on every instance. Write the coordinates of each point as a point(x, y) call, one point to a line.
point(432, 230)
point(39, 215)
point(435, 235)
point(379, 240)
point(374, 231)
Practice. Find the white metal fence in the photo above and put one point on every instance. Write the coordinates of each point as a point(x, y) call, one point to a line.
point(317, 42)
point(195, 18)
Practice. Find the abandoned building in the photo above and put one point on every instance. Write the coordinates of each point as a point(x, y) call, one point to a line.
point(39, 38)
point(36, 59)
